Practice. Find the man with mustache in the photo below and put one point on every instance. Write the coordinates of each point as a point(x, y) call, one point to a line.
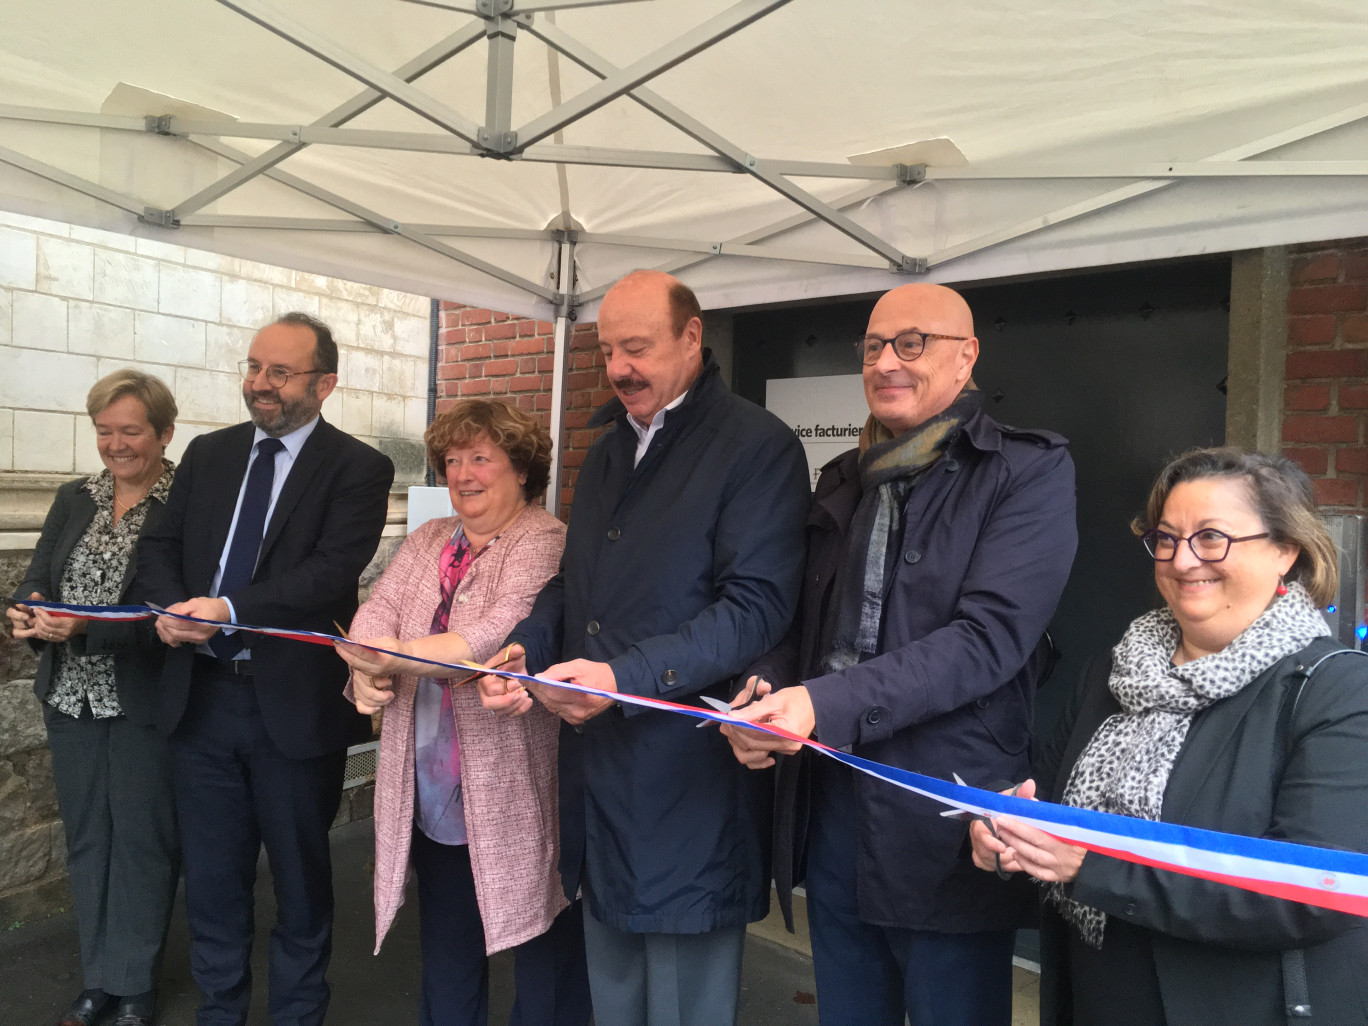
point(937, 551)
point(681, 566)
point(269, 523)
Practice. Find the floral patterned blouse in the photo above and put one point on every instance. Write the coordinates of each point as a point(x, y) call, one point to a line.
point(93, 575)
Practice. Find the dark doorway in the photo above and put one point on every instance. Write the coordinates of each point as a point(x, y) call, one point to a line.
point(1129, 365)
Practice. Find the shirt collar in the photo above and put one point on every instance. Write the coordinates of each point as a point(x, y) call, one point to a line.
point(294, 441)
point(658, 419)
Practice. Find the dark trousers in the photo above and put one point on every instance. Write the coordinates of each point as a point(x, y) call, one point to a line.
point(550, 984)
point(872, 975)
point(235, 792)
point(113, 781)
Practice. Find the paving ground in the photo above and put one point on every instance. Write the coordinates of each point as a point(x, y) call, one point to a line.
point(39, 973)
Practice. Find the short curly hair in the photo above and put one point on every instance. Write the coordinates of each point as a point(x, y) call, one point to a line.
point(520, 435)
point(1280, 493)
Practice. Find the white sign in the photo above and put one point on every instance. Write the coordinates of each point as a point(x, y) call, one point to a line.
point(427, 504)
point(826, 413)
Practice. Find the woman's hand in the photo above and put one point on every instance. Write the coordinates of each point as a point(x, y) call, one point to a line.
point(40, 625)
point(371, 694)
point(501, 695)
point(1023, 848)
point(22, 623)
point(789, 708)
point(370, 662)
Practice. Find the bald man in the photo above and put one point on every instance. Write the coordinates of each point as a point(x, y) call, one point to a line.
point(681, 567)
point(937, 552)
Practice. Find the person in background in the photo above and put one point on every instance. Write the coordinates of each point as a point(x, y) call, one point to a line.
point(97, 683)
point(681, 566)
point(466, 799)
point(1229, 709)
point(937, 552)
point(269, 522)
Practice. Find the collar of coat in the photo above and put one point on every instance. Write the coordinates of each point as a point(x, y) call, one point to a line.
point(706, 385)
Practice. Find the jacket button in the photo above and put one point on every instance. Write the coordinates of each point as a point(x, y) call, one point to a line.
point(669, 678)
point(951, 465)
point(911, 556)
point(982, 703)
point(614, 533)
point(1132, 908)
point(593, 627)
point(873, 716)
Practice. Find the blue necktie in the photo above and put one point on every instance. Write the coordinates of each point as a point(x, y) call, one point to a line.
point(246, 544)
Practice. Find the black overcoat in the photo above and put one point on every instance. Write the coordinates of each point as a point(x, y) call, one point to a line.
point(677, 573)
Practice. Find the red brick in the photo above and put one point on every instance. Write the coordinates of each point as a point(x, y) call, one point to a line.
point(542, 401)
point(447, 371)
point(499, 386)
point(529, 345)
point(1355, 265)
point(483, 351)
point(1354, 329)
point(545, 328)
point(1314, 330)
point(499, 368)
point(447, 336)
point(473, 316)
point(602, 395)
point(479, 386)
point(1322, 267)
point(1320, 429)
point(1327, 298)
point(1336, 491)
point(1337, 363)
point(1353, 397)
point(1306, 397)
point(531, 383)
point(527, 365)
point(546, 364)
point(503, 348)
point(1313, 460)
point(1351, 460)
point(501, 331)
point(501, 316)
point(582, 379)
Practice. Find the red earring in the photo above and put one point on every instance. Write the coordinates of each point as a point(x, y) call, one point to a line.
point(1281, 588)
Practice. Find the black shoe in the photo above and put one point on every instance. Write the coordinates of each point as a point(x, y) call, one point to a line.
point(87, 1008)
point(136, 1010)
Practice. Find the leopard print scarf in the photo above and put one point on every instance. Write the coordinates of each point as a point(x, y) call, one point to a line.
point(1125, 767)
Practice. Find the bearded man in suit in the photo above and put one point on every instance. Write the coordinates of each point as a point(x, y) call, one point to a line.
point(269, 522)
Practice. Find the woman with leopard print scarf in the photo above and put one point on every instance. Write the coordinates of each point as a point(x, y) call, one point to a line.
point(1208, 714)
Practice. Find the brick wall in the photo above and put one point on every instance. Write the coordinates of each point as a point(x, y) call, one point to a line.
point(1325, 394)
point(486, 353)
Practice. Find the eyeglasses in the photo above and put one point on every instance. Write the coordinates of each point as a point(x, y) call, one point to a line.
point(276, 377)
point(907, 346)
point(1209, 545)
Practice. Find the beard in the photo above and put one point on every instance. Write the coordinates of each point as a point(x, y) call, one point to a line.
point(284, 418)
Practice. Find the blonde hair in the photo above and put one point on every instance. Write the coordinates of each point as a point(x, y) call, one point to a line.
point(1281, 494)
point(148, 389)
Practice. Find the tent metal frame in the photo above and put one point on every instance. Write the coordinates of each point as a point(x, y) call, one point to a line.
point(500, 23)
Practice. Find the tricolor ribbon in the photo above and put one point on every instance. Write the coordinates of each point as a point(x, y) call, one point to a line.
point(1325, 877)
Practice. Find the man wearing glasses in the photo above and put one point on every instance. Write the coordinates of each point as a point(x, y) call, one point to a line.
point(268, 523)
point(937, 551)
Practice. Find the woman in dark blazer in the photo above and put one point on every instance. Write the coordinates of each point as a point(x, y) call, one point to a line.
point(96, 681)
point(1233, 710)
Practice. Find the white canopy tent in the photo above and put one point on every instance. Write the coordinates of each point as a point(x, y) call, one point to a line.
point(522, 154)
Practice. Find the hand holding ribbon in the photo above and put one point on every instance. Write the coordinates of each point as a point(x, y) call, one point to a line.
point(789, 709)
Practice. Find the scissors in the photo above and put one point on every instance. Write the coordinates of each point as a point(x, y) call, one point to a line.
point(986, 821)
point(725, 707)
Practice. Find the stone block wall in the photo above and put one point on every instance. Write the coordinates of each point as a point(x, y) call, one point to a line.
point(1325, 392)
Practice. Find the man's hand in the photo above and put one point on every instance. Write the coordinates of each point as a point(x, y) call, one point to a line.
point(371, 694)
point(369, 662)
point(789, 709)
point(571, 706)
point(501, 695)
point(182, 632)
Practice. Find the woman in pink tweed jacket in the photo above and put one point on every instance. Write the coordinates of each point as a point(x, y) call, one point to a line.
point(495, 825)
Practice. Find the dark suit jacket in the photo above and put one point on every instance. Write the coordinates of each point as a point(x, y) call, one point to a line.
point(322, 533)
point(1283, 758)
point(134, 645)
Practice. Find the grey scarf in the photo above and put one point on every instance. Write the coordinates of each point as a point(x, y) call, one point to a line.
point(1125, 767)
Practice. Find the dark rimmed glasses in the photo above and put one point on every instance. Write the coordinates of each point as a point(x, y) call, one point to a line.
point(907, 345)
point(1209, 545)
point(276, 377)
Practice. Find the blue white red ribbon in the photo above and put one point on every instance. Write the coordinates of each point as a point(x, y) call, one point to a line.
point(1325, 877)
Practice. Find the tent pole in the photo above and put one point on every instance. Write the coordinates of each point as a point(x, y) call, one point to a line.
point(565, 315)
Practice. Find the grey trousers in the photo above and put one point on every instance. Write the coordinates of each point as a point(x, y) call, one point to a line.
point(113, 782)
point(663, 979)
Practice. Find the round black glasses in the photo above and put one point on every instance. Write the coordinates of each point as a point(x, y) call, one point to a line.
point(1209, 545)
point(907, 345)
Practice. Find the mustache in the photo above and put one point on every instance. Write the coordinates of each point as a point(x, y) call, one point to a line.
point(625, 384)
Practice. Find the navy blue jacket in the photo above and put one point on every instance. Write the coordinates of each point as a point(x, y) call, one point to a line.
point(676, 573)
point(988, 539)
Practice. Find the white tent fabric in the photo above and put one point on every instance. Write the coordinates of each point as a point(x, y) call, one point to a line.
point(1091, 131)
